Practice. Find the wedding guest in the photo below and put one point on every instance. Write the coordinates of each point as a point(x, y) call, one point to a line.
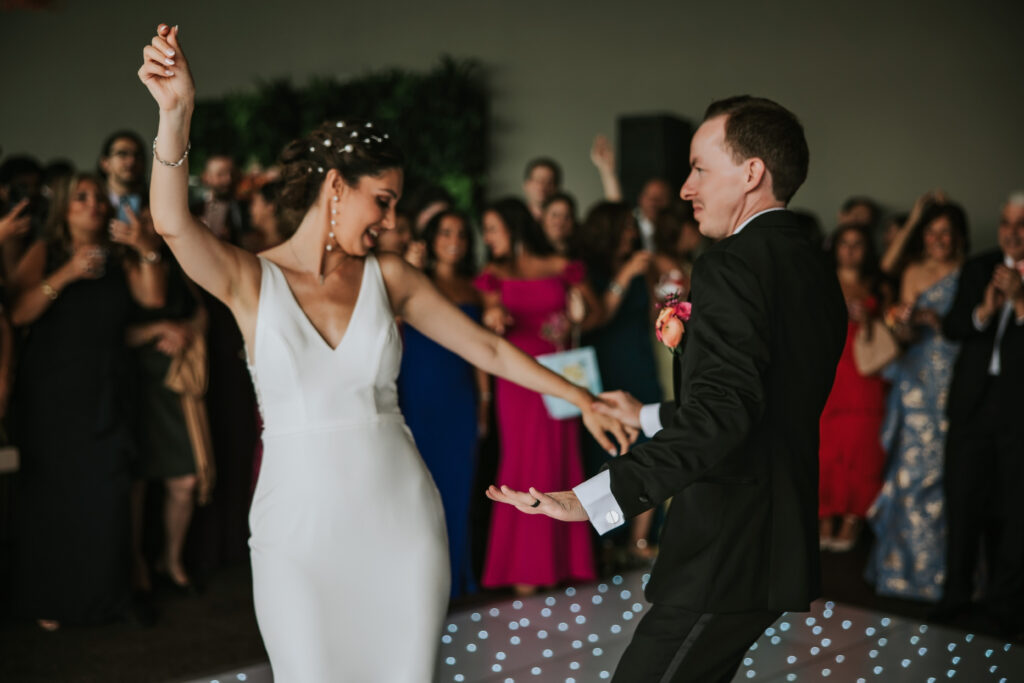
point(542, 179)
point(219, 208)
point(72, 294)
point(525, 286)
point(558, 220)
point(263, 216)
point(677, 243)
point(221, 529)
point(908, 517)
point(55, 173)
point(984, 471)
point(655, 195)
point(617, 266)
point(860, 210)
point(21, 197)
point(850, 451)
point(172, 428)
point(424, 203)
point(446, 400)
point(895, 258)
point(122, 165)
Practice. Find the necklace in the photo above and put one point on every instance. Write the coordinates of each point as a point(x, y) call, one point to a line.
point(320, 276)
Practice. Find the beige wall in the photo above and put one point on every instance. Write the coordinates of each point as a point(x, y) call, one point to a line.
point(895, 99)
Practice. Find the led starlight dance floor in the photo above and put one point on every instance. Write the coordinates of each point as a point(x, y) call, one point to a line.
point(576, 635)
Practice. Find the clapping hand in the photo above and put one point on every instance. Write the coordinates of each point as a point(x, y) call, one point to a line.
point(88, 262)
point(560, 505)
point(165, 71)
point(1007, 281)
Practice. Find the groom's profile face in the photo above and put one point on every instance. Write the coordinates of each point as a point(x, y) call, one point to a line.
point(716, 181)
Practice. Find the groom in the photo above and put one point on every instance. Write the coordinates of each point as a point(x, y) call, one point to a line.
point(737, 452)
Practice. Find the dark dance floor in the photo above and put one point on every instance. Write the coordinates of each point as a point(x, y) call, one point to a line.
point(576, 635)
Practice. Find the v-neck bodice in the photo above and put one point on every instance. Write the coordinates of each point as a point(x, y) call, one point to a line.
point(302, 383)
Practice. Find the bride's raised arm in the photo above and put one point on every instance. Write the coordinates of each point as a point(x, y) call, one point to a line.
point(227, 272)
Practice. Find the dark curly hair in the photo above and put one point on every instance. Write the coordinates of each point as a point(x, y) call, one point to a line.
point(913, 251)
point(353, 147)
point(465, 267)
point(522, 228)
point(600, 235)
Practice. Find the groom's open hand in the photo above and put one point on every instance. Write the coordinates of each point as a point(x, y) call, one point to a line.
point(560, 505)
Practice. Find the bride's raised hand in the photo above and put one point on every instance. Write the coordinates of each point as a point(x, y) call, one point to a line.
point(165, 71)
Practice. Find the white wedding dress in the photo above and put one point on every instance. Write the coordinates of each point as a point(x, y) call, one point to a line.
point(349, 552)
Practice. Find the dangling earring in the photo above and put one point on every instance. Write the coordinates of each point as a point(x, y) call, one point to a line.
point(330, 234)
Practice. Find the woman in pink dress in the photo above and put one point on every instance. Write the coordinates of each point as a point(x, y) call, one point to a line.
point(526, 287)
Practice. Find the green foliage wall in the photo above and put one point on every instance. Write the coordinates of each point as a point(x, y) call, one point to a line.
point(439, 118)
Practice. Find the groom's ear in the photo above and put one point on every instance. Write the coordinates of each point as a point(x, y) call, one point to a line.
point(756, 173)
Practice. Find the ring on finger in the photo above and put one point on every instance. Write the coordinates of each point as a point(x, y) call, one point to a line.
point(536, 503)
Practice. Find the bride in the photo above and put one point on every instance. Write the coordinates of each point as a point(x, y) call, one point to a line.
point(349, 556)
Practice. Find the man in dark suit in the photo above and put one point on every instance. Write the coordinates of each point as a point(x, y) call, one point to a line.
point(984, 467)
point(738, 453)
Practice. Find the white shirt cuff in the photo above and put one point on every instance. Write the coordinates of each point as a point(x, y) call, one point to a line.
point(650, 419)
point(595, 494)
point(978, 325)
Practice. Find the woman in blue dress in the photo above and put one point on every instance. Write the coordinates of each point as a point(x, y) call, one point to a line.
point(446, 400)
point(908, 517)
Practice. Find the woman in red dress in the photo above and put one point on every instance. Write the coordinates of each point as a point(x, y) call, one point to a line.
point(851, 454)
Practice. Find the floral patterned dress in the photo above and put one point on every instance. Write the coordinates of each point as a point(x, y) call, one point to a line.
point(535, 449)
point(908, 517)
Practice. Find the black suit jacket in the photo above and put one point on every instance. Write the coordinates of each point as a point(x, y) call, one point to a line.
point(971, 380)
point(738, 452)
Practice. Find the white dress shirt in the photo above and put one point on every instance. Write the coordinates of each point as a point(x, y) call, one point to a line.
point(595, 494)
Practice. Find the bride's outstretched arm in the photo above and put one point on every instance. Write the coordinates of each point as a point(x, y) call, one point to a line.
point(417, 301)
point(229, 273)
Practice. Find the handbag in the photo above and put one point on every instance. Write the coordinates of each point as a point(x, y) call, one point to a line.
point(874, 347)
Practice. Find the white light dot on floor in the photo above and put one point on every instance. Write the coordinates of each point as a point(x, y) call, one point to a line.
point(518, 604)
point(570, 591)
point(482, 635)
point(589, 653)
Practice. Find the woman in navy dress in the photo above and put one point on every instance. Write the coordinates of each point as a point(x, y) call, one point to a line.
point(445, 400)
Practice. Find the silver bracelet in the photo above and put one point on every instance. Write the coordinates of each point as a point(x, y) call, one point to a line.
point(179, 162)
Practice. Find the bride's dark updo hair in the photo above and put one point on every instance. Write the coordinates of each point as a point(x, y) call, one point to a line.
point(354, 147)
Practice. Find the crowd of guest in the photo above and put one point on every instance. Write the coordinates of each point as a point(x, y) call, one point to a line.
point(127, 392)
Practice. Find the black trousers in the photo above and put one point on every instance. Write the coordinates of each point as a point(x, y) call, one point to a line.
point(984, 487)
point(673, 645)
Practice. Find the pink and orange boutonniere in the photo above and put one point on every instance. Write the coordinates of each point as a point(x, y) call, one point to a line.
point(669, 327)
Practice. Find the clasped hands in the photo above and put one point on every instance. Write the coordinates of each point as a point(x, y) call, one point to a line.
point(564, 506)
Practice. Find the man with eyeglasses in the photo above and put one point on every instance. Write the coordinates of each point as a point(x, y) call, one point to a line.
point(123, 166)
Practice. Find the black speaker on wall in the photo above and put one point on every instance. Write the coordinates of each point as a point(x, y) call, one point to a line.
point(652, 146)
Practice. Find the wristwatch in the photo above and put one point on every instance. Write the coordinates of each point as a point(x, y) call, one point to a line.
point(152, 256)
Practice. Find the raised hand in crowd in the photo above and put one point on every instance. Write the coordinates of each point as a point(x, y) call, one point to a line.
point(603, 157)
point(135, 234)
point(893, 254)
point(15, 223)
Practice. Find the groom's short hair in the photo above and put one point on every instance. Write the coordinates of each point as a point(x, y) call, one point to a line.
point(759, 127)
